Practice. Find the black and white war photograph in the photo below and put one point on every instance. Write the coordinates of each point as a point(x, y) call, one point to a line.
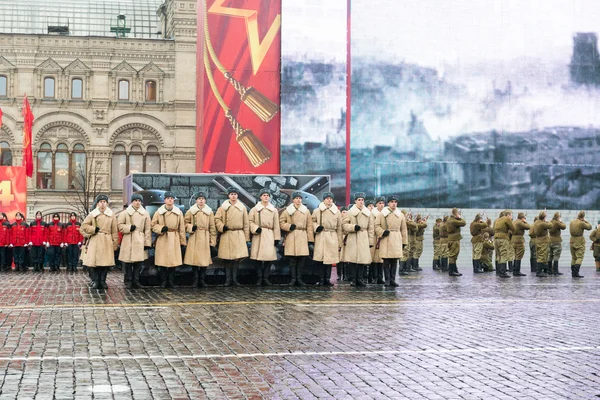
point(483, 103)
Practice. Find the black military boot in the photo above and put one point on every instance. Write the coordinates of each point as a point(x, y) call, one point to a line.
point(137, 270)
point(517, 269)
point(300, 262)
point(416, 265)
point(403, 268)
point(359, 280)
point(477, 267)
point(195, 276)
point(266, 273)
point(95, 277)
point(164, 277)
point(228, 268)
point(339, 269)
point(533, 265)
point(502, 271)
point(445, 266)
point(128, 275)
point(380, 278)
point(555, 270)
point(549, 270)
point(575, 271)
point(172, 277)
point(293, 271)
point(202, 277)
point(327, 275)
point(541, 270)
point(454, 270)
point(511, 265)
point(234, 273)
point(393, 271)
point(436, 264)
point(259, 273)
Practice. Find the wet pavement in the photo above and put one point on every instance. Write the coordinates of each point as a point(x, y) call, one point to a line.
point(434, 337)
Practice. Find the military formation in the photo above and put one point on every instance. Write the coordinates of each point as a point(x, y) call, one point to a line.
point(370, 242)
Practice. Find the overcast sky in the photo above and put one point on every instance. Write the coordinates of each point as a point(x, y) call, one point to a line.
point(436, 32)
point(315, 29)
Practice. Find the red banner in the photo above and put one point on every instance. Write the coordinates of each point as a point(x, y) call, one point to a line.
point(13, 191)
point(239, 86)
point(27, 150)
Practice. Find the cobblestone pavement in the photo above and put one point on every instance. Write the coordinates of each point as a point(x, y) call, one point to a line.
point(434, 337)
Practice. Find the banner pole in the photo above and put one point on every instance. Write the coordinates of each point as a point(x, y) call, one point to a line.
point(348, 96)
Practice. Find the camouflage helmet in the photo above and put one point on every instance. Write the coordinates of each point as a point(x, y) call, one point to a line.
point(486, 235)
point(438, 220)
point(507, 212)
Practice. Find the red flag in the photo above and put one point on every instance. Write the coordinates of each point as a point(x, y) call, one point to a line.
point(27, 150)
point(0, 117)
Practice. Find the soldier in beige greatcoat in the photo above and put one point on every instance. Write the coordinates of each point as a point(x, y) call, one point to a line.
point(264, 227)
point(359, 231)
point(200, 224)
point(231, 221)
point(135, 226)
point(392, 233)
point(327, 223)
point(169, 226)
point(101, 227)
point(296, 221)
point(376, 260)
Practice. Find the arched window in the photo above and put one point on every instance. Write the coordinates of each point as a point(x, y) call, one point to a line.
point(5, 154)
point(123, 89)
point(49, 88)
point(151, 91)
point(79, 178)
point(135, 161)
point(44, 167)
point(152, 159)
point(61, 167)
point(119, 167)
point(77, 89)
point(3, 86)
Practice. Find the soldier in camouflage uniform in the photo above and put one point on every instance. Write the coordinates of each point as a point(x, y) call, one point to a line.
point(476, 228)
point(453, 225)
point(555, 248)
point(577, 242)
point(532, 256)
point(595, 238)
point(437, 260)
point(444, 245)
point(518, 242)
point(542, 242)
point(503, 226)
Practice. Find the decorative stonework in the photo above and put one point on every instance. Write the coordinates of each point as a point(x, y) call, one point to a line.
point(137, 132)
point(61, 131)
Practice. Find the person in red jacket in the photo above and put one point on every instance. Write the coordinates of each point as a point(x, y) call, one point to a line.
point(39, 237)
point(73, 240)
point(55, 243)
point(4, 242)
point(19, 240)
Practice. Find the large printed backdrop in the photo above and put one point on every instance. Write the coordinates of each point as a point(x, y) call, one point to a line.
point(479, 104)
point(246, 38)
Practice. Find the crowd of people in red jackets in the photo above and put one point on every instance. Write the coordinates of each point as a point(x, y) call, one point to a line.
point(38, 243)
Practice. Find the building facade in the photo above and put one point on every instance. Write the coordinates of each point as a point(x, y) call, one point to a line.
point(108, 98)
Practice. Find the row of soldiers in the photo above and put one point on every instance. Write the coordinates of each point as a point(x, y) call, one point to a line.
point(38, 243)
point(506, 237)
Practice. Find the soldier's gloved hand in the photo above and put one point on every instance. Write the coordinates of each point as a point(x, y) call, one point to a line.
point(164, 229)
point(385, 233)
point(194, 228)
point(31, 243)
point(225, 228)
point(132, 228)
point(258, 230)
point(292, 227)
point(97, 229)
point(147, 247)
point(275, 243)
point(79, 244)
point(10, 245)
point(356, 228)
point(47, 244)
point(320, 228)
